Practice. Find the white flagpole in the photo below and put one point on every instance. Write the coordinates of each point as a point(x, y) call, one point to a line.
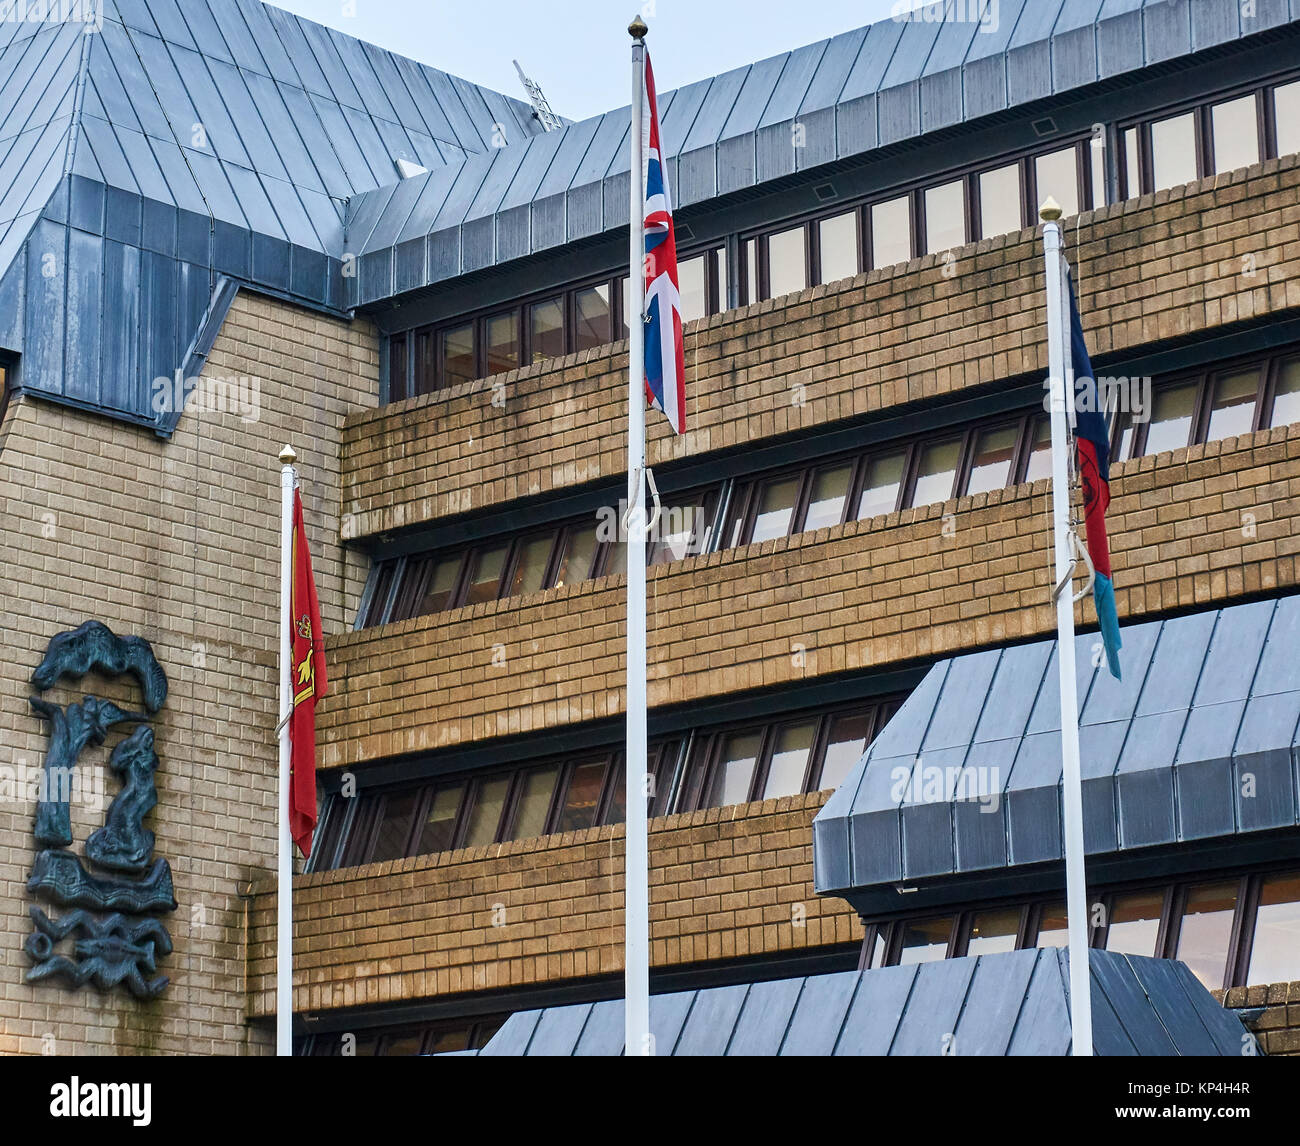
point(284, 865)
point(636, 878)
point(1076, 895)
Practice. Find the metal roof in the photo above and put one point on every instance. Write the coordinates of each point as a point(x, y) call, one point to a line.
point(184, 140)
point(1014, 1003)
point(1200, 740)
point(853, 93)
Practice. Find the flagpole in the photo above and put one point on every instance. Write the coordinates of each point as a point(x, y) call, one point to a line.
point(284, 859)
point(1058, 339)
point(636, 878)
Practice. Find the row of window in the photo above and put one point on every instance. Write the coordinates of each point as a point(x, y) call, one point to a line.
point(705, 769)
point(1222, 135)
point(426, 1038)
point(1230, 932)
point(1209, 405)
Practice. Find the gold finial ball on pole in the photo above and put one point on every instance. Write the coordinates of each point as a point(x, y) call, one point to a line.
point(1050, 211)
point(287, 456)
point(637, 29)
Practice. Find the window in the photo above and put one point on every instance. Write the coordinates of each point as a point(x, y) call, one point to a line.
point(1134, 922)
point(593, 318)
point(1230, 930)
point(775, 512)
point(532, 561)
point(1132, 164)
point(1235, 132)
point(1232, 405)
point(837, 245)
point(884, 481)
point(456, 356)
point(829, 495)
point(429, 1038)
point(546, 329)
point(1275, 947)
point(1173, 152)
point(694, 289)
point(1172, 414)
point(924, 940)
point(1000, 201)
point(936, 472)
point(1286, 398)
point(993, 458)
point(786, 262)
point(891, 232)
point(945, 217)
point(539, 796)
point(1205, 930)
point(441, 585)
point(485, 578)
point(501, 343)
point(1040, 451)
point(1286, 118)
point(577, 555)
point(397, 367)
point(1057, 175)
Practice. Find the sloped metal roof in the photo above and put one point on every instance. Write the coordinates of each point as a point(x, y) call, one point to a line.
point(1200, 740)
point(184, 141)
point(853, 93)
point(1015, 1003)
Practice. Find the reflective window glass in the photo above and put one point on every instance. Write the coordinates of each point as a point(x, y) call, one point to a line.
point(1135, 922)
point(1275, 951)
point(1053, 926)
point(751, 271)
point(582, 797)
point(1097, 162)
point(936, 472)
point(1205, 931)
point(530, 565)
point(1000, 201)
point(786, 269)
point(1133, 171)
point(1040, 451)
point(845, 744)
point(1236, 134)
point(891, 232)
point(830, 490)
point(1286, 396)
point(438, 832)
point(1173, 151)
point(945, 217)
point(1058, 176)
point(775, 508)
point(437, 596)
point(993, 931)
point(720, 273)
point(995, 452)
point(690, 280)
point(735, 769)
point(789, 762)
point(576, 558)
point(485, 815)
point(676, 530)
point(457, 353)
point(880, 489)
point(394, 826)
point(625, 285)
point(838, 238)
point(616, 561)
point(1171, 418)
point(501, 335)
point(485, 580)
point(592, 317)
point(546, 329)
point(535, 802)
point(1286, 114)
point(1232, 405)
point(924, 940)
point(397, 366)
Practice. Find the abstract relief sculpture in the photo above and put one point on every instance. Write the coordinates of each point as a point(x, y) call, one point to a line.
point(112, 903)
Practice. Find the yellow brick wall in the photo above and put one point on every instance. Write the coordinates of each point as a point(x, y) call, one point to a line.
point(724, 883)
point(176, 542)
point(1191, 528)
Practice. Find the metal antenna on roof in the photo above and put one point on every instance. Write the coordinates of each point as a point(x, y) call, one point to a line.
point(541, 108)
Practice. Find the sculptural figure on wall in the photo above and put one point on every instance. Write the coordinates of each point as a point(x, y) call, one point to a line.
point(125, 879)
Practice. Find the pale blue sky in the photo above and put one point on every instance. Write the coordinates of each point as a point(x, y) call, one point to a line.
point(578, 50)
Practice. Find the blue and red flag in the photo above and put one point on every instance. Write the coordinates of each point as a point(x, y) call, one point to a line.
point(1092, 456)
point(665, 374)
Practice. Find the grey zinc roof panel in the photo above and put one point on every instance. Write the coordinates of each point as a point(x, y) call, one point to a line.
point(338, 78)
point(872, 61)
point(99, 137)
point(833, 69)
point(219, 126)
point(515, 175)
point(568, 158)
point(791, 88)
point(952, 45)
point(264, 154)
point(39, 75)
point(819, 1015)
point(205, 32)
point(171, 24)
point(1009, 1003)
point(140, 158)
point(1036, 22)
point(713, 115)
point(304, 68)
point(232, 17)
point(436, 187)
point(752, 99)
point(907, 64)
point(1159, 753)
point(1167, 29)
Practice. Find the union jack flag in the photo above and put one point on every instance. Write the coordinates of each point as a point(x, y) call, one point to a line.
point(665, 377)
